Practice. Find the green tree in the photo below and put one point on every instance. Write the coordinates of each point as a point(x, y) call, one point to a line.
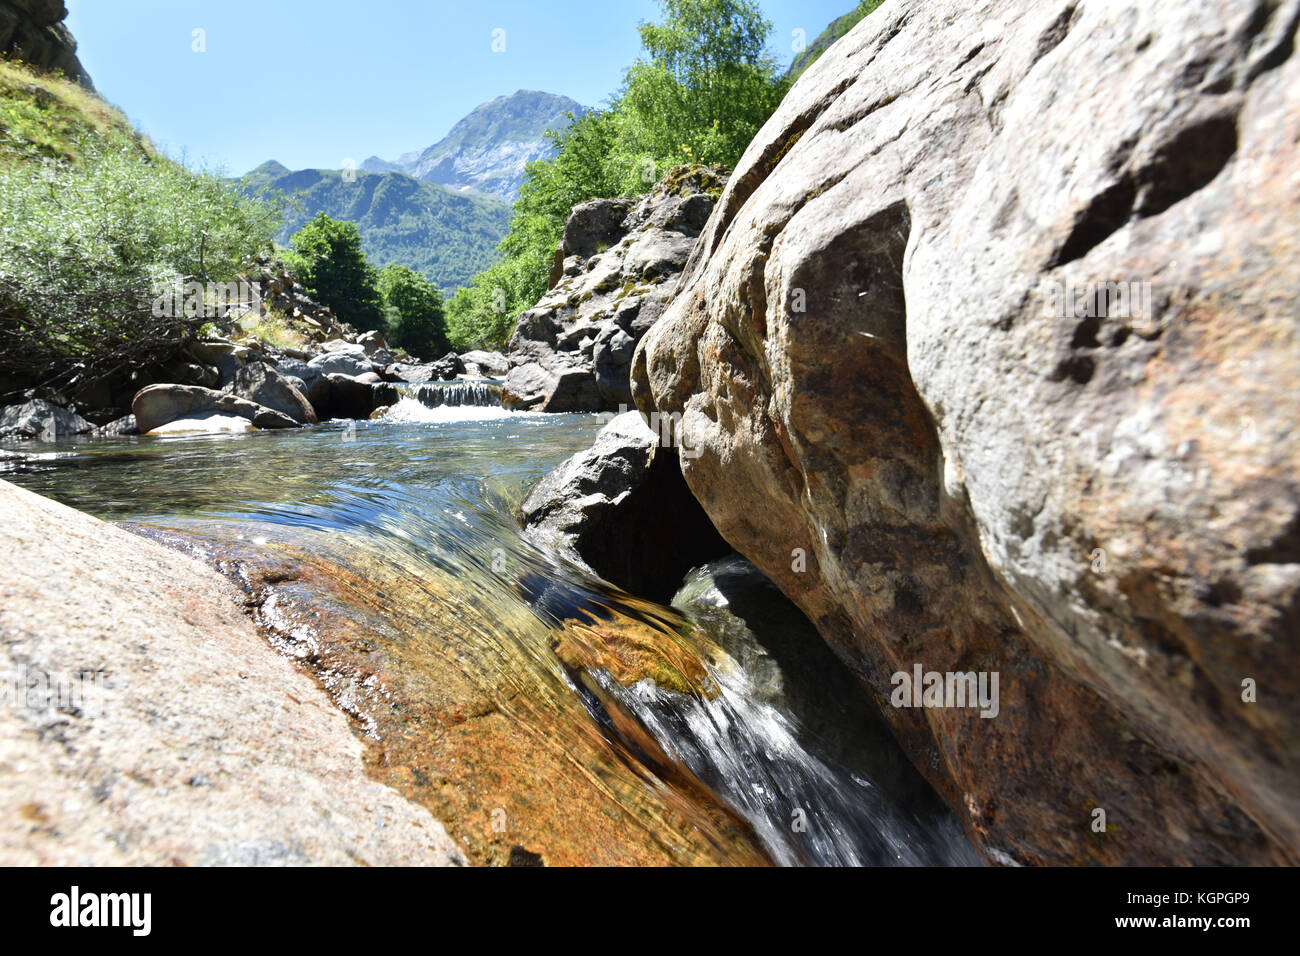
point(328, 258)
point(707, 85)
point(413, 312)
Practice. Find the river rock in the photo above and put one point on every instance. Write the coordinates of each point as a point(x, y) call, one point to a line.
point(156, 727)
point(622, 509)
point(406, 372)
point(342, 362)
point(292, 367)
point(913, 416)
point(260, 383)
point(41, 419)
point(616, 267)
point(126, 425)
point(225, 356)
point(342, 396)
point(372, 342)
point(447, 367)
point(159, 404)
point(485, 364)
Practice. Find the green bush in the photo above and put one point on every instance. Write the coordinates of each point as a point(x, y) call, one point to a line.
point(413, 312)
point(87, 246)
point(328, 260)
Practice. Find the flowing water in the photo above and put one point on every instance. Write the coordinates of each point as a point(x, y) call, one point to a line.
point(540, 713)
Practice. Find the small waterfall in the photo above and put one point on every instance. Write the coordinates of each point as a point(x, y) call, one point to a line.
point(452, 394)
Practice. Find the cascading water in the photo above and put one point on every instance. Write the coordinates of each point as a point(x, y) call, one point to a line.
point(481, 394)
point(531, 707)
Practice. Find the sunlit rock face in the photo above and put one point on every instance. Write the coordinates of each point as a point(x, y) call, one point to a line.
point(986, 353)
point(613, 274)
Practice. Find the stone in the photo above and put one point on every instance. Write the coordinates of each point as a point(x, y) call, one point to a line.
point(406, 372)
point(157, 405)
point(40, 419)
point(341, 396)
point(292, 367)
point(126, 425)
point(33, 31)
point(225, 356)
point(372, 342)
point(212, 423)
point(266, 386)
point(620, 258)
point(159, 728)
point(908, 415)
point(485, 364)
point(622, 509)
point(342, 362)
point(447, 367)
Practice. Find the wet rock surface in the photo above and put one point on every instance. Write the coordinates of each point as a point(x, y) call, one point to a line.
point(623, 509)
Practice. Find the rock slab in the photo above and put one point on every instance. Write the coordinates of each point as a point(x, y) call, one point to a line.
point(147, 723)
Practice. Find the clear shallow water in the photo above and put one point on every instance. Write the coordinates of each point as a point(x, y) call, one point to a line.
point(532, 708)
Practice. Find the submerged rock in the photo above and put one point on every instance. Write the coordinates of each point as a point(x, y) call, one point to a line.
point(41, 419)
point(615, 270)
point(924, 409)
point(622, 509)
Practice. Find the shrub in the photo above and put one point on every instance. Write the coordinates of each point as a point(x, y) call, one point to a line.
point(86, 246)
point(413, 312)
point(328, 260)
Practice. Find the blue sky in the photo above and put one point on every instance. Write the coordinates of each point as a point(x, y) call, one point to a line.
point(317, 82)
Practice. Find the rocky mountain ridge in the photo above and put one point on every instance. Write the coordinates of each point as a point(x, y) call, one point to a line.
point(485, 152)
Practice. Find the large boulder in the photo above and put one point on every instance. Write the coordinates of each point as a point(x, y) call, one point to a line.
point(41, 419)
point(343, 396)
point(622, 509)
point(260, 383)
point(924, 405)
point(484, 364)
point(157, 405)
point(615, 270)
point(342, 361)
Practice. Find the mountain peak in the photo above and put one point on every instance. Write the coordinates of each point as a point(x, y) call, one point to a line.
point(487, 150)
